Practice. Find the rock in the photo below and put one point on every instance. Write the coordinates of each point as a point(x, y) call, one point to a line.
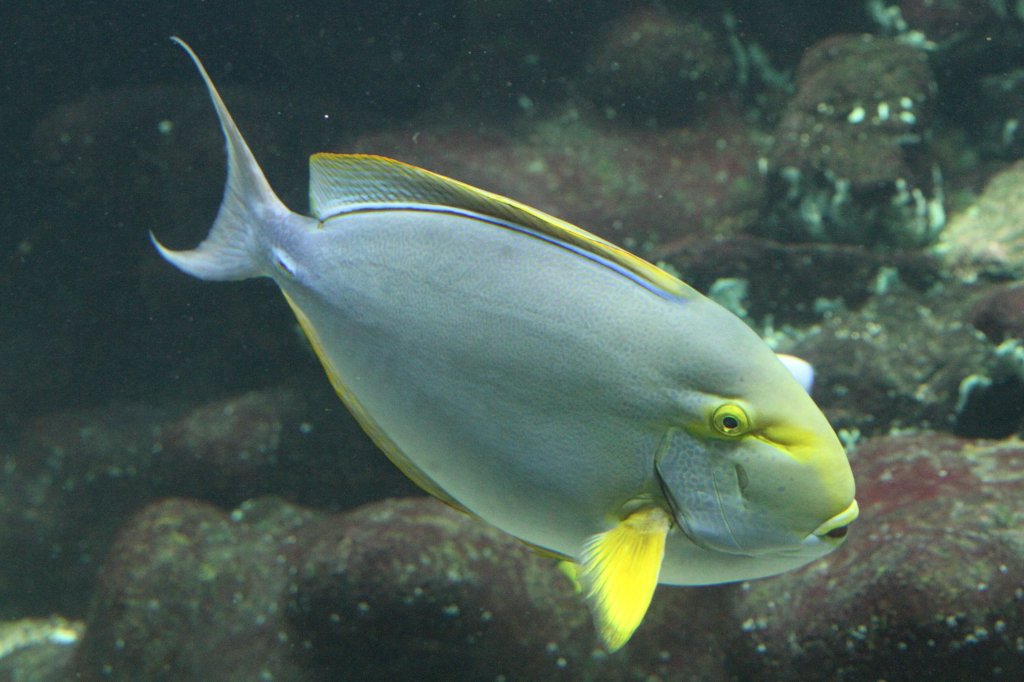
point(941, 20)
point(189, 593)
point(883, 367)
point(791, 283)
point(69, 481)
point(394, 590)
point(73, 477)
point(1000, 313)
point(930, 582)
point(37, 649)
point(409, 588)
point(851, 160)
point(656, 65)
point(988, 237)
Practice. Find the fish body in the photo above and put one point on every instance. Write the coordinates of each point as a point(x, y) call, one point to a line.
point(540, 378)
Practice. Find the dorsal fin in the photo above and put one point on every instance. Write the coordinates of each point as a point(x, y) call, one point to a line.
point(340, 183)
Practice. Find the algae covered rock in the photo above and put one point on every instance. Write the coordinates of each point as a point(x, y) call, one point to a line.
point(851, 161)
point(37, 649)
point(911, 359)
point(399, 589)
point(408, 586)
point(793, 283)
point(930, 583)
point(73, 477)
point(988, 237)
point(189, 593)
point(999, 314)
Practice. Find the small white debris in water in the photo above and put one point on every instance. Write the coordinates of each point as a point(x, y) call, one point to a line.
point(856, 115)
point(451, 610)
point(883, 111)
point(908, 118)
point(906, 102)
point(165, 127)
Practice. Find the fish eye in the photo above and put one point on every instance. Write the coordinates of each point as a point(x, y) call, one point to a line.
point(730, 420)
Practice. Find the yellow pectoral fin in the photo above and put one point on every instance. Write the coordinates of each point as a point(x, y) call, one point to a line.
point(620, 570)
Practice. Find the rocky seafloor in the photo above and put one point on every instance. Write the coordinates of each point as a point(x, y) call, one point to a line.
point(183, 497)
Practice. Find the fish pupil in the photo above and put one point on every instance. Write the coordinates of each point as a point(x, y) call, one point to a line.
point(730, 423)
point(837, 533)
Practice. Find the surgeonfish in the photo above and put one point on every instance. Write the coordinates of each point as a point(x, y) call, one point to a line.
point(540, 378)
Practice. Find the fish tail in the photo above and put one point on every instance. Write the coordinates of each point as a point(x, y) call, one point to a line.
point(237, 245)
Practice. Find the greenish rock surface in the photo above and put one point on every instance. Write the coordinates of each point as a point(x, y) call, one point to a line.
point(400, 589)
point(987, 238)
point(851, 161)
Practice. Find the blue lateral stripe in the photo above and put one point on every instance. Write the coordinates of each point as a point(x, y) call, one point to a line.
point(515, 227)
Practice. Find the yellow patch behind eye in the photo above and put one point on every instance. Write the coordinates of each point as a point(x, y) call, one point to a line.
point(730, 420)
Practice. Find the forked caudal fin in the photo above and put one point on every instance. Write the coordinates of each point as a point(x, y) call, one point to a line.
point(233, 249)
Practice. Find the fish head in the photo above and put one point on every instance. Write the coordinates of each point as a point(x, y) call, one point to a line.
point(759, 472)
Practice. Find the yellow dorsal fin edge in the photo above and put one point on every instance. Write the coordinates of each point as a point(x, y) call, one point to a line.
point(343, 181)
point(620, 570)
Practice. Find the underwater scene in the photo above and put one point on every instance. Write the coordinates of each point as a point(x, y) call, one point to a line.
point(676, 340)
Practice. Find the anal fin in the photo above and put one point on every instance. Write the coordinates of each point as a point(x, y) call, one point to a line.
point(620, 570)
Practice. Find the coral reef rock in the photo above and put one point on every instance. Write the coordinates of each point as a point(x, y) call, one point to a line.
point(73, 477)
point(930, 583)
point(908, 359)
point(400, 589)
point(988, 237)
point(851, 161)
point(999, 314)
point(790, 283)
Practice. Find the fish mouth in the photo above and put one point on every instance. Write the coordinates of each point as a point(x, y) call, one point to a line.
point(837, 526)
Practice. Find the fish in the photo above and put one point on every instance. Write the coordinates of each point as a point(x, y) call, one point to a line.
point(540, 378)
